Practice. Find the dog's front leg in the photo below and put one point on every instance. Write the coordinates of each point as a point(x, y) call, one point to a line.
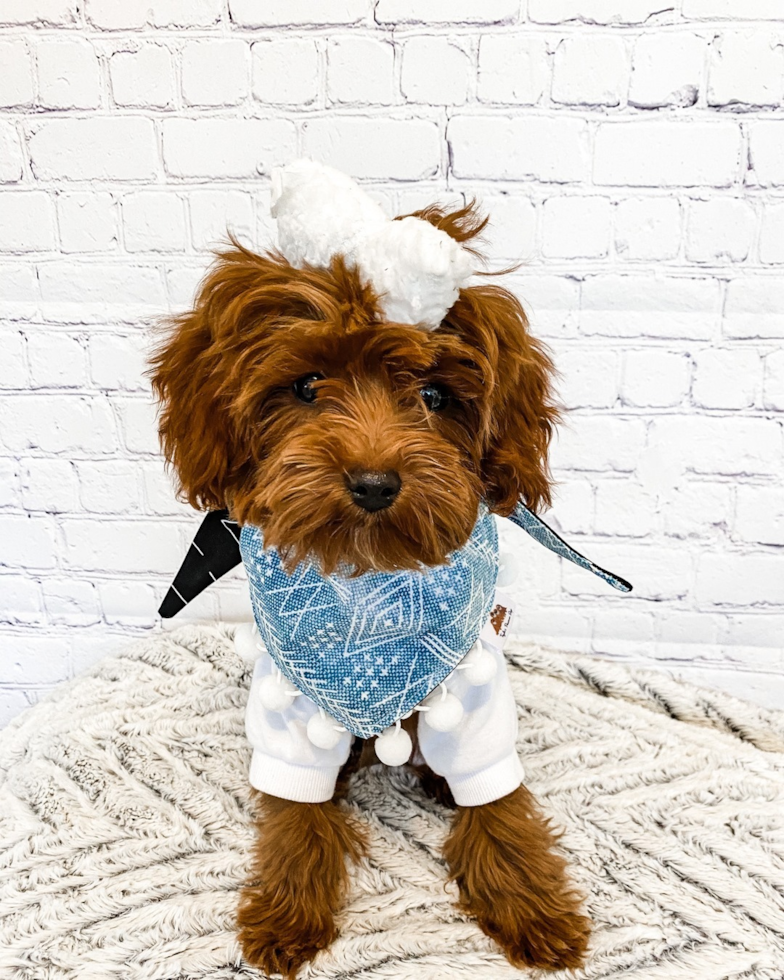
point(299, 876)
point(514, 884)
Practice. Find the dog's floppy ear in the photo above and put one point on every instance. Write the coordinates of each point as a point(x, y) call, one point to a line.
point(521, 410)
point(195, 373)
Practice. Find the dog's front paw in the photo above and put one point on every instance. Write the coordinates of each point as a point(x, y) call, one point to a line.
point(277, 938)
point(550, 942)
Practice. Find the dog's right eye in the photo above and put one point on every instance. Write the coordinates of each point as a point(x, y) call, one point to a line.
point(304, 387)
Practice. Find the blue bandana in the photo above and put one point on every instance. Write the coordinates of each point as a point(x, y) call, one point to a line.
point(368, 649)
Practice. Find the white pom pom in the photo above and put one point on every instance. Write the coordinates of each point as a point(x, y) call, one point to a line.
point(323, 731)
point(510, 567)
point(275, 693)
point(393, 746)
point(480, 665)
point(247, 643)
point(444, 713)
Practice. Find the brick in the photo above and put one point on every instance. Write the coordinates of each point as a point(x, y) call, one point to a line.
point(49, 13)
point(160, 494)
point(448, 85)
point(512, 228)
point(512, 69)
point(71, 602)
point(771, 243)
point(57, 360)
point(57, 424)
point(729, 9)
point(760, 514)
point(27, 223)
point(215, 72)
point(22, 600)
point(576, 227)
point(182, 282)
point(34, 658)
point(285, 71)
point(446, 12)
point(127, 603)
point(730, 446)
point(656, 573)
point(667, 69)
point(118, 545)
point(49, 485)
point(746, 69)
point(660, 153)
point(719, 230)
point(561, 628)
point(726, 378)
point(154, 221)
point(138, 423)
point(551, 303)
point(10, 495)
point(68, 76)
point(590, 69)
point(539, 148)
point(16, 77)
point(308, 13)
point(573, 507)
point(18, 288)
point(380, 148)
point(11, 165)
point(622, 631)
point(647, 306)
point(684, 626)
point(625, 509)
point(108, 486)
point(766, 152)
point(359, 70)
point(112, 16)
point(100, 284)
point(143, 77)
point(215, 213)
point(738, 579)
point(588, 378)
point(118, 361)
point(754, 308)
point(654, 378)
point(595, 11)
point(774, 380)
point(211, 147)
point(12, 357)
point(87, 221)
point(28, 542)
point(760, 628)
point(599, 442)
point(648, 228)
point(96, 148)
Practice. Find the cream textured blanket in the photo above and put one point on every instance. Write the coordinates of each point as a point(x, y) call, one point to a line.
point(124, 827)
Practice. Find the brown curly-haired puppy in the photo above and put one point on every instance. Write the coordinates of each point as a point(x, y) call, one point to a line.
point(235, 378)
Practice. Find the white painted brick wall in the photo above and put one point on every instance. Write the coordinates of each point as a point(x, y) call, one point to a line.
point(631, 152)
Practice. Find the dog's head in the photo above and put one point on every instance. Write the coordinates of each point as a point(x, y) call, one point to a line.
point(288, 398)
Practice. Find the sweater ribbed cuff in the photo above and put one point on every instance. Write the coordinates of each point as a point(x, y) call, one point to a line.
point(490, 784)
point(302, 784)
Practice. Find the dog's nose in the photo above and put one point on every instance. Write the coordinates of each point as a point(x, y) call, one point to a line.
point(373, 490)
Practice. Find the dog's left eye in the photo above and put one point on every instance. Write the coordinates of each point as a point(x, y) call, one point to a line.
point(303, 387)
point(436, 397)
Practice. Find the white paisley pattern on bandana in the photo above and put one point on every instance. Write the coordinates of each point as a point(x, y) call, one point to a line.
point(368, 649)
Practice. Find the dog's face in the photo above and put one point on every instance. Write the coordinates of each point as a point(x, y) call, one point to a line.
point(354, 441)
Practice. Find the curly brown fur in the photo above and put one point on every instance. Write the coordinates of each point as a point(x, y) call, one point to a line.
point(514, 884)
point(237, 436)
point(298, 879)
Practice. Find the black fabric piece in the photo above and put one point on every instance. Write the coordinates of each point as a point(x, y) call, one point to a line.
point(215, 551)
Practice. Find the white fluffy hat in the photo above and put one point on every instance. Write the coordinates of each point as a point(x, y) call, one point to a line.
point(416, 269)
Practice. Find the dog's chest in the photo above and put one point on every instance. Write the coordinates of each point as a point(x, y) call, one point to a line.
point(368, 649)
